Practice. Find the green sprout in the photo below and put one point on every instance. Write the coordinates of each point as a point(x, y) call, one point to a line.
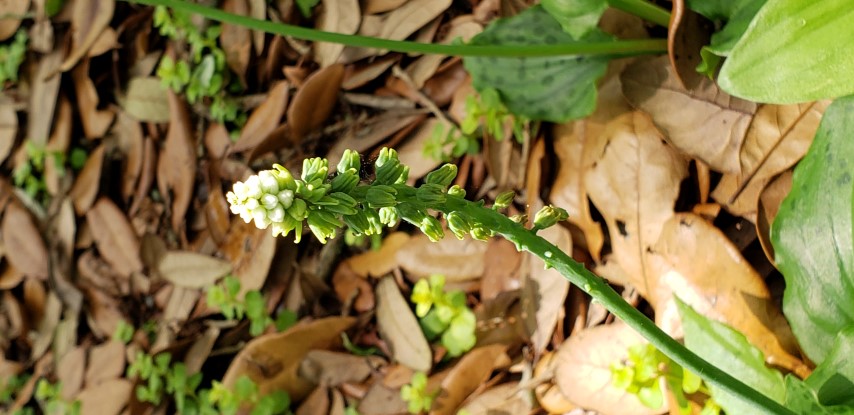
point(415, 394)
point(444, 314)
point(49, 397)
point(12, 56)
point(252, 306)
point(488, 109)
point(124, 332)
point(460, 143)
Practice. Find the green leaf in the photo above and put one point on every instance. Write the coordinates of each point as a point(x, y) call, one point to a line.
point(793, 51)
point(737, 14)
point(577, 17)
point(730, 351)
point(802, 400)
point(833, 379)
point(547, 88)
point(812, 236)
point(305, 6)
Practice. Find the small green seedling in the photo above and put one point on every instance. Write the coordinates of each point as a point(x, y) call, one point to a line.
point(252, 306)
point(12, 56)
point(49, 397)
point(246, 394)
point(488, 108)
point(444, 314)
point(448, 145)
point(415, 394)
point(124, 332)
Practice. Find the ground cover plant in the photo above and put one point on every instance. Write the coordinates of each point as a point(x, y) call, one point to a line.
point(457, 164)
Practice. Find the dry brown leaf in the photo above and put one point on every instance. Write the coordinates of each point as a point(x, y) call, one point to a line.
point(272, 360)
point(146, 100)
point(500, 270)
point(380, 6)
point(371, 133)
point(217, 215)
point(380, 262)
point(339, 16)
point(192, 270)
point(697, 262)
point(769, 204)
point(129, 140)
point(105, 398)
point(778, 137)
point(69, 371)
point(95, 122)
point(634, 182)
point(472, 370)
point(398, 327)
point(410, 17)
point(411, 153)
point(505, 398)
point(25, 248)
point(425, 67)
point(358, 75)
point(688, 33)
point(317, 402)
point(314, 101)
point(106, 41)
point(176, 166)
point(201, 349)
point(353, 289)
point(117, 242)
point(334, 368)
point(106, 361)
point(86, 186)
point(8, 129)
point(43, 96)
point(251, 252)
point(706, 112)
point(12, 11)
point(89, 19)
point(544, 292)
point(582, 369)
point(59, 142)
point(381, 399)
point(236, 40)
point(455, 259)
point(264, 119)
point(10, 277)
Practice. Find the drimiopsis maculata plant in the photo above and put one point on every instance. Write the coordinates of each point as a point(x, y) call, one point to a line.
point(275, 198)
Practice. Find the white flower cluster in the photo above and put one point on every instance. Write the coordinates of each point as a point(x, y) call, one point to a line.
point(268, 199)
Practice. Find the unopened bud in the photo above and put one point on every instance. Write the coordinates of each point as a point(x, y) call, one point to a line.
point(442, 176)
point(269, 184)
point(315, 169)
point(344, 182)
point(431, 227)
point(381, 196)
point(350, 163)
point(457, 191)
point(389, 216)
point(431, 194)
point(385, 155)
point(284, 177)
point(548, 216)
point(459, 223)
point(504, 199)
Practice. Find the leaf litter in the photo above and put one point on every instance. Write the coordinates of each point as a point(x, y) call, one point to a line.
point(138, 175)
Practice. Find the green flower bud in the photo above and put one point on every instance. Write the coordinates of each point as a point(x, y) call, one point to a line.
point(549, 216)
point(459, 223)
point(411, 213)
point(260, 218)
point(298, 210)
point(389, 216)
point(504, 199)
point(312, 191)
point(390, 172)
point(269, 201)
point(376, 225)
point(481, 234)
point(315, 169)
point(431, 194)
point(350, 163)
point(403, 176)
point(322, 224)
point(381, 196)
point(358, 222)
point(284, 177)
point(268, 181)
point(520, 218)
point(443, 176)
point(457, 191)
point(385, 155)
point(286, 198)
point(344, 182)
point(431, 227)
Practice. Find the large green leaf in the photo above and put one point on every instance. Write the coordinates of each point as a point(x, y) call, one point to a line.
point(803, 400)
point(794, 51)
point(577, 17)
point(545, 88)
point(736, 13)
point(730, 351)
point(833, 379)
point(812, 236)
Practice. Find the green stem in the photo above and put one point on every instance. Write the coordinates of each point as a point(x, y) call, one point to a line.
point(621, 47)
point(643, 9)
point(596, 287)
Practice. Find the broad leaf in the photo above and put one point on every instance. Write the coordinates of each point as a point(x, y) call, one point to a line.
point(793, 51)
point(812, 236)
point(577, 17)
point(730, 351)
point(803, 400)
point(736, 13)
point(833, 379)
point(556, 88)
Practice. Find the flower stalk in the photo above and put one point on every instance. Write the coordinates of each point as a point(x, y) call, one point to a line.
point(274, 198)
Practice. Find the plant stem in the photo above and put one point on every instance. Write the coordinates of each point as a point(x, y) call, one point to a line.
point(597, 288)
point(643, 9)
point(621, 47)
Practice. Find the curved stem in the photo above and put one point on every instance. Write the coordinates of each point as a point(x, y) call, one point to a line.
point(596, 287)
point(643, 9)
point(621, 47)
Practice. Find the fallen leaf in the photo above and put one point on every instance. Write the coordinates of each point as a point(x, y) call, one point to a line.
point(462, 28)
point(358, 75)
point(769, 204)
point(251, 252)
point(8, 129)
point(398, 327)
point(582, 368)
point(264, 119)
point(506, 398)
point(43, 96)
point(682, 115)
point(634, 181)
point(382, 261)
point(235, 39)
point(688, 32)
point(25, 248)
point(334, 368)
point(472, 370)
point(69, 371)
point(411, 16)
point(106, 41)
point(371, 133)
point(458, 260)
point(13, 12)
point(272, 360)
point(353, 289)
point(105, 398)
point(501, 267)
point(411, 153)
point(696, 261)
point(314, 101)
point(544, 292)
point(116, 240)
point(176, 166)
point(381, 399)
point(339, 16)
point(89, 19)
point(317, 402)
point(380, 6)
point(85, 188)
point(129, 140)
point(146, 100)
point(192, 270)
point(106, 362)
